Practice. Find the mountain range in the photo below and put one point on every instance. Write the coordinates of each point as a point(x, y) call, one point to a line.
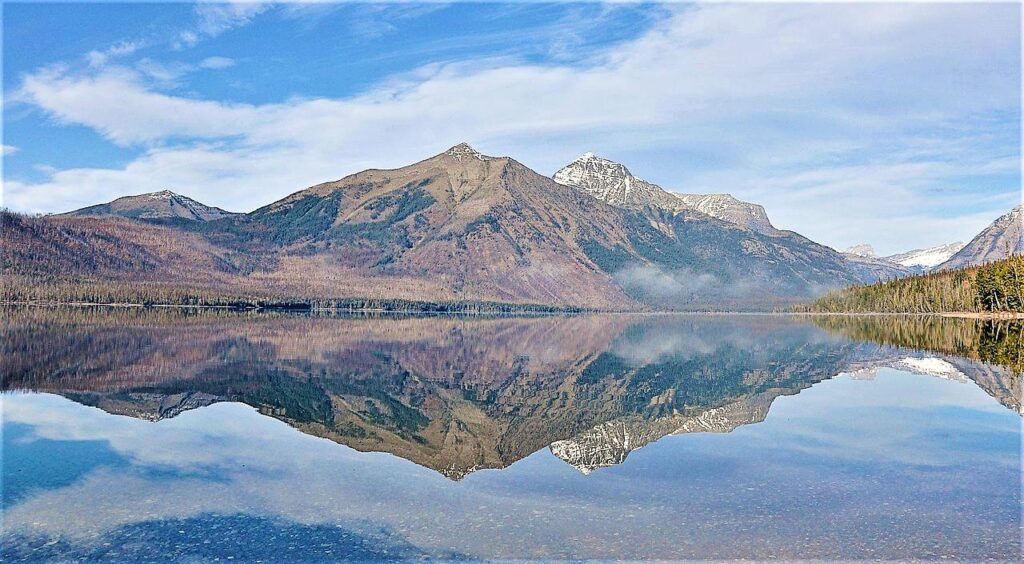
point(457, 227)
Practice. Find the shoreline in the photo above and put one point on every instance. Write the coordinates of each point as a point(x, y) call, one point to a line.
point(1000, 315)
point(508, 309)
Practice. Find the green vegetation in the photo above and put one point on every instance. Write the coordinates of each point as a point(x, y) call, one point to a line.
point(994, 287)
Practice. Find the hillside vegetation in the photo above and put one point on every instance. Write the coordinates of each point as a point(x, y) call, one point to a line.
point(991, 288)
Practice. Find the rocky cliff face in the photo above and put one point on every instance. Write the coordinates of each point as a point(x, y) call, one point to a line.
point(728, 208)
point(1003, 238)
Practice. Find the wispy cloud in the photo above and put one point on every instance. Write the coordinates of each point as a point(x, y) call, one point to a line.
point(831, 115)
point(98, 58)
point(214, 18)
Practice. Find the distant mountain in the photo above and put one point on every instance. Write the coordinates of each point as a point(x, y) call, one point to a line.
point(156, 205)
point(1004, 237)
point(862, 250)
point(926, 259)
point(871, 266)
point(612, 182)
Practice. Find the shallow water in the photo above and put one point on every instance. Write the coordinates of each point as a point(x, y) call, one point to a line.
point(136, 434)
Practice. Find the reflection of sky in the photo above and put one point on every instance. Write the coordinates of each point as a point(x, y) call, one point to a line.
point(897, 467)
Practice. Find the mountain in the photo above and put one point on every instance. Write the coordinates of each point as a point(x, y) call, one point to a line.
point(490, 226)
point(156, 205)
point(926, 259)
point(874, 268)
point(457, 227)
point(862, 250)
point(1004, 237)
point(612, 182)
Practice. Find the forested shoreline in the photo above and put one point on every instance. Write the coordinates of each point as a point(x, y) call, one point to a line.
point(996, 287)
point(16, 291)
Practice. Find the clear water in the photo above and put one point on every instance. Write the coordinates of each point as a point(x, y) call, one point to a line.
point(134, 435)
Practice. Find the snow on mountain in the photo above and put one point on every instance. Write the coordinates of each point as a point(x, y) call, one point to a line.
point(612, 182)
point(927, 258)
point(932, 366)
point(728, 208)
point(1004, 237)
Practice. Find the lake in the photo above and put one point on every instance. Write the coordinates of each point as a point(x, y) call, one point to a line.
point(134, 434)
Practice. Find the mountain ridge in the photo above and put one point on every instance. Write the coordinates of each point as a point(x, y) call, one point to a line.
point(164, 204)
point(1000, 239)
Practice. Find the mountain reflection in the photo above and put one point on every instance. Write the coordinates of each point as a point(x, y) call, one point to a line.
point(456, 394)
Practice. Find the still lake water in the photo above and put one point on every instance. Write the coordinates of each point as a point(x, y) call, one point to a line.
point(140, 434)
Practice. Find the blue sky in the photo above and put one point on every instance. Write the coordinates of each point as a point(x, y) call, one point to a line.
point(895, 125)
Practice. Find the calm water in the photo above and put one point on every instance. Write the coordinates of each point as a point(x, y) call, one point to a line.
point(162, 435)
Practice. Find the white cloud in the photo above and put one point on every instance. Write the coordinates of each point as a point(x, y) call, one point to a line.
point(9, 150)
point(781, 91)
point(216, 63)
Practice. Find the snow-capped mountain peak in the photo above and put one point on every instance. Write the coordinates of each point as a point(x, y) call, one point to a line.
point(613, 183)
point(464, 151)
point(927, 258)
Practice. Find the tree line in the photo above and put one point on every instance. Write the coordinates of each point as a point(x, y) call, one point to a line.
point(990, 288)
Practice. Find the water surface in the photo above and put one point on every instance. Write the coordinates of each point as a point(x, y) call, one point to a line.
point(139, 434)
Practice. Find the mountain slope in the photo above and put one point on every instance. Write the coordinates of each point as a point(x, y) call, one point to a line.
point(1004, 237)
point(156, 205)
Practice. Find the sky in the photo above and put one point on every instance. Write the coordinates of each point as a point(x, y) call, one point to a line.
point(893, 125)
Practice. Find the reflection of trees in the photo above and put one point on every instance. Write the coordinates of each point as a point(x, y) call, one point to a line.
point(992, 341)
